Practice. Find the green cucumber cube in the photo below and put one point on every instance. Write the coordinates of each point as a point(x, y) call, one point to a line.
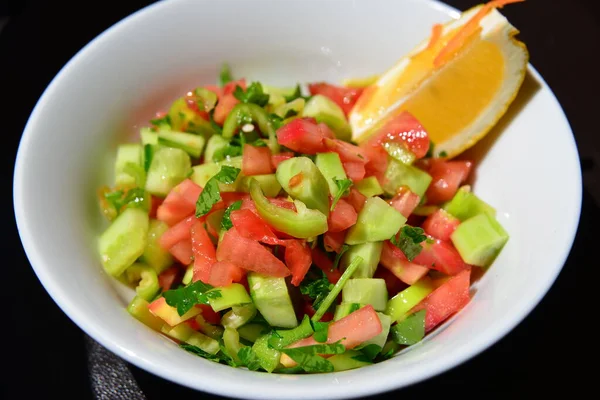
point(328, 112)
point(377, 221)
point(366, 291)
point(369, 187)
point(271, 297)
point(465, 204)
point(169, 167)
point(400, 174)
point(479, 239)
point(331, 167)
point(154, 255)
point(370, 252)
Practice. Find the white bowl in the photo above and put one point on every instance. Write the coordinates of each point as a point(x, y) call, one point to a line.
point(531, 173)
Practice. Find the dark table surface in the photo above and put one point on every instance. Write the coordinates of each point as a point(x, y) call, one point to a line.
point(49, 355)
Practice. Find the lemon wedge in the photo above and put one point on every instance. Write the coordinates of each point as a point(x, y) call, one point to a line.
point(458, 83)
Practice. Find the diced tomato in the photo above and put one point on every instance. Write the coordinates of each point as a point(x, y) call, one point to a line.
point(446, 179)
point(229, 88)
point(177, 233)
point(334, 241)
point(249, 254)
point(277, 159)
point(321, 260)
point(155, 202)
point(204, 253)
point(310, 311)
point(354, 329)
point(392, 283)
point(182, 251)
point(355, 170)
point(224, 273)
point(231, 197)
point(212, 229)
point(168, 277)
point(302, 135)
point(209, 315)
point(192, 323)
point(342, 96)
point(441, 256)
point(325, 130)
point(403, 129)
point(446, 300)
point(378, 161)
point(405, 201)
point(440, 224)
point(357, 199)
point(224, 107)
point(298, 259)
point(179, 203)
point(395, 261)
point(256, 160)
point(250, 226)
point(342, 217)
point(347, 151)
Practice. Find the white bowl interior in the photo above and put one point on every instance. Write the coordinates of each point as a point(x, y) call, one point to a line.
point(122, 77)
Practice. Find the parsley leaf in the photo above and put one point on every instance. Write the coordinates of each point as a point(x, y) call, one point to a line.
point(371, 350)
point(227, 151)
point(409, 241)
point(249, 358)
point(290, 113)
point(317, 289)
point(136, 197)
point(226, 220)
point(308, 359)
point(218, 358)
point(148, 154)
point(276, 121)
point(259, 143)
point(296, 95)
point(411, 330)
point(354, 307)
point(225, 75)
point(362, 358)
point(343, 189)
point(162, 122)
point(339, 255)
point(216, 127)
point(321, 331)
point(211, 194)
point(253, 94)
point(187, 297)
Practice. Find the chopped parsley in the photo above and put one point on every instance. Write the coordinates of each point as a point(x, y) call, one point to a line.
point(343, 189)
point(317, 289)
point(253, 94)
point(411, 330)
point(339, 255)
point(308, 357)
point(225, 75)
point(211, 194)
point(188, 296)
point(226, 220)
point(409, 241)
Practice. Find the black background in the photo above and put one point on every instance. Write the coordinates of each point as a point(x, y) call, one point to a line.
point(44, 353)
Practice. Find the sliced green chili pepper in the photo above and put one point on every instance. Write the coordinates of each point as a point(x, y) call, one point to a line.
point(247, 113)
point(304, 223)
point(148, 285)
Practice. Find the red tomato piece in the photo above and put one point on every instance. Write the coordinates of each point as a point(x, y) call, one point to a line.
point(342, 96)
point(354, 170)
point(342, 217)
point(310, 311)
point(446, 300)
point(250, 226)
point(446, 179)
point(357, 199)
point(179, 203)
point(395, 261)
point(168, 277)
point(209, 315)
point(334, 241)
point(224, 273)
point(204, 253)
point(441, 256)
point(277, 159)
point(182, 251)
point(177, 233)
point(405, 201)
point(229, 88)
point(440, 225)
point(323, 262)
point(347, 151)
point(403, 129)
point(250, 255)
point(298, 259)
point(256, 160)
point(302, 135)
point(224, 107)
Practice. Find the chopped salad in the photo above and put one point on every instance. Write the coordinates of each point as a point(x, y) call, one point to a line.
point(257, 234)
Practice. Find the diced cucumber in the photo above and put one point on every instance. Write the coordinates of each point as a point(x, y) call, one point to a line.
point(139, 309)
point(124, 240)
point(188, 142)
point(204, 342)
point(147, 279)
point(238, 316)
point(369, 187)
point(379, 340)
point(215, 144)
point(127, 155)
point(282, 91)
point(370, 252)
point(251, 332)
point(203, 172)
point(377, 221)
point(345, 309)
point(268, 183)
point(271, 297)
point(275, 101)
point(267, 356)
point(295, 107)
point(213, 331)
point(231, 340)
point(154, 255)
point(465, 204)
point(403, 302)
point(399, 152)
point(232, 295)
point(328, 112)
point(411, 330)
point(371, 291)
point(148, 136)
point(350, 359)
point(479, 239)
point(284, 338)
point(184, 119)
point(399, 174)
point(311, 188)
point(189, 275)
point(169, 167)
point(331, 167)
point(181, 332)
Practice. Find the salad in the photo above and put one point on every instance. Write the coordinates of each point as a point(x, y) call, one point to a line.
point(257, 234)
